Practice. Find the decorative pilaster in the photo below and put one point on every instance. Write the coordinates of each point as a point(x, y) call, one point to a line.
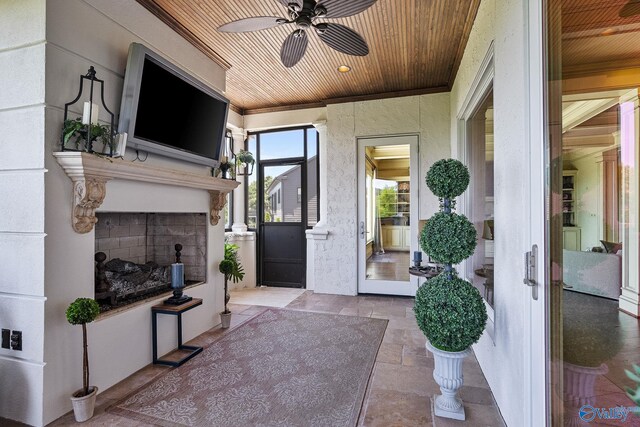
point(239, 226)
point(88, 195)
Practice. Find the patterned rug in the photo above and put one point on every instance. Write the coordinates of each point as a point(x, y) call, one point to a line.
point(280, 368)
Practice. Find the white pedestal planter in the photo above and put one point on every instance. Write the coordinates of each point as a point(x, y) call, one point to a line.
point(448, 374)
point(83, 406)
point(225, 318)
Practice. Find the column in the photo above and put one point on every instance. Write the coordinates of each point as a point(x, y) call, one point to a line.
point(321, 127)
point(239, 136)
point(630, 162)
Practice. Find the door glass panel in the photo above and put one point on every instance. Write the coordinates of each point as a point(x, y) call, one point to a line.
point(387, 219)
point(480, 149)
point(281, 187)
point(282, 145)
point(593, 210)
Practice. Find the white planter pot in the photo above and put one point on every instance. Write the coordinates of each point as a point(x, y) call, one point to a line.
point(83, 406)
point(448, 374)
point(579, 386)
point(225, 318)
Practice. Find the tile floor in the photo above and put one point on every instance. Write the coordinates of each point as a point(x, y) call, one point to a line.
point(401, 385)
point(270, 297)
point(389, 266)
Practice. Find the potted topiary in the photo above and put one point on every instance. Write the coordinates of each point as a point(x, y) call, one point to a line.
point(81, 312)
point(232, 269)
point(449, 310)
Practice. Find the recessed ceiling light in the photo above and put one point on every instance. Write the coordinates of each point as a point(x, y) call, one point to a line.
point(344, 68)
point(609, 32)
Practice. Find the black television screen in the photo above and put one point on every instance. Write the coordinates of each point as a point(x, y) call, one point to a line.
point(167, 111)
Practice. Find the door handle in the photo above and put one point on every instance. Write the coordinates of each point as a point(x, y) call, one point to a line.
point(531, 271)
point(362, 229)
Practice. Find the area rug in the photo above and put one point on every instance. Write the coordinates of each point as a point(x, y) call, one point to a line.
point(280, 368)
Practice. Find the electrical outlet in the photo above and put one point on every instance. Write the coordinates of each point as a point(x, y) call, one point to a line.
point(16, 340)
point(5, 338)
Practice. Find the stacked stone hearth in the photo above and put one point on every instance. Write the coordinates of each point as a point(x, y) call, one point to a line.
point(140, 248)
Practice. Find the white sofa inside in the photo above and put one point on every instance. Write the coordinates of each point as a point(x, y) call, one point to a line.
point(594, 273)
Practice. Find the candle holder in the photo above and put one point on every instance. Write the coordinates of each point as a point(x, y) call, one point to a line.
point(417, 258)
point(225, 168)
point(177, 281)
point(87, 128)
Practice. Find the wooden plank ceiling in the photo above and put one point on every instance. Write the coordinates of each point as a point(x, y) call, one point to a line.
point(598, 36)
point(415, 47)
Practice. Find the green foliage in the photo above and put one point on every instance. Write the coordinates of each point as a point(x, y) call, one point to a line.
point(226, 267)
point(387, 202)
point(450, 312)
point(245, 157)
point(74, 130)
point(234, 270)
point(82, 310)
point(253, 199)
point(448, 178)
point(448, 238)
point(635, 376)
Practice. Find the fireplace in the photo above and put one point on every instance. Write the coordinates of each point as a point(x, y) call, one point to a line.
point(139, 249)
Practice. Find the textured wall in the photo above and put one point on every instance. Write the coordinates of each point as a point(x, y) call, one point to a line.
point(427, 116)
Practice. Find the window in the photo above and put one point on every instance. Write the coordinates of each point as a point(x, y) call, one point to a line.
point(269, 146)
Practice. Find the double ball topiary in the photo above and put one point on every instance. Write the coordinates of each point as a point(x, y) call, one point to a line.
point(450, 312)
point(448, 238)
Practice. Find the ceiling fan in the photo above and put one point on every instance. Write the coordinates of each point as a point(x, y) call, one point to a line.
point(304, 14)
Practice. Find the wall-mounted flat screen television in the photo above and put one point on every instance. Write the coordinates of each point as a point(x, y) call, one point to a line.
point(167, 111)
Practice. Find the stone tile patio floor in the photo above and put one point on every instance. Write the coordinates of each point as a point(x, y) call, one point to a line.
point(399, 392)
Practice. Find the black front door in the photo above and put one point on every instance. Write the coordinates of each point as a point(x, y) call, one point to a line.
point(282, 221)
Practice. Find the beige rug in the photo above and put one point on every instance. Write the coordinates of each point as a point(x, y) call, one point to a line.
point(280, 368)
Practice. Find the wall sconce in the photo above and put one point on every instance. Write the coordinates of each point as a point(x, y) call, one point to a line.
point(87, 128)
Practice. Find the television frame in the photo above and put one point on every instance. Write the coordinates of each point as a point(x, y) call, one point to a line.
point(129, 106)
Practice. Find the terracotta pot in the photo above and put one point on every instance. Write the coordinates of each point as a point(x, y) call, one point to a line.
point(448, 374)
point(83, 406)
point(226, 320)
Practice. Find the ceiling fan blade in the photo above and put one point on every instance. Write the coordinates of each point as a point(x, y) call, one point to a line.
point(343, 39)
point(286, 3)
point(343, 8)
point(632, 8)
point(293, 48)
point(251, 24)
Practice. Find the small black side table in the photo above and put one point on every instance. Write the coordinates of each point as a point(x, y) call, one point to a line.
point(174, 310)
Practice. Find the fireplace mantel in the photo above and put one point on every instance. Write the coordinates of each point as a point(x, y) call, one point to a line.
point(90, 173)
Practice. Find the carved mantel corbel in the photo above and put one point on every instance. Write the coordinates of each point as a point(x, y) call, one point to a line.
point(88, 195)
point(217, 201)
point(90, 174)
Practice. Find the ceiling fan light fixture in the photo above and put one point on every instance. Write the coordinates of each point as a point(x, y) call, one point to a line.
point(344, 69)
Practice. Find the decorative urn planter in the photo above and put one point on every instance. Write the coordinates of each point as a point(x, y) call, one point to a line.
point(83, 406)
point(226, 320)
point(447, 373)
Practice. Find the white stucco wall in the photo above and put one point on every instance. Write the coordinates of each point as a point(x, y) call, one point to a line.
point(427, 116)
point(37, 382)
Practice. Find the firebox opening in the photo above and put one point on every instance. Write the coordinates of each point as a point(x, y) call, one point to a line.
point(139, 249)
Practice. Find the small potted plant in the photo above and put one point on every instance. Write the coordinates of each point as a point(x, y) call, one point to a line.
point(232, 269)
point(449, 310)
point(81, 312)
point(76, 132)
point(245, 159)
